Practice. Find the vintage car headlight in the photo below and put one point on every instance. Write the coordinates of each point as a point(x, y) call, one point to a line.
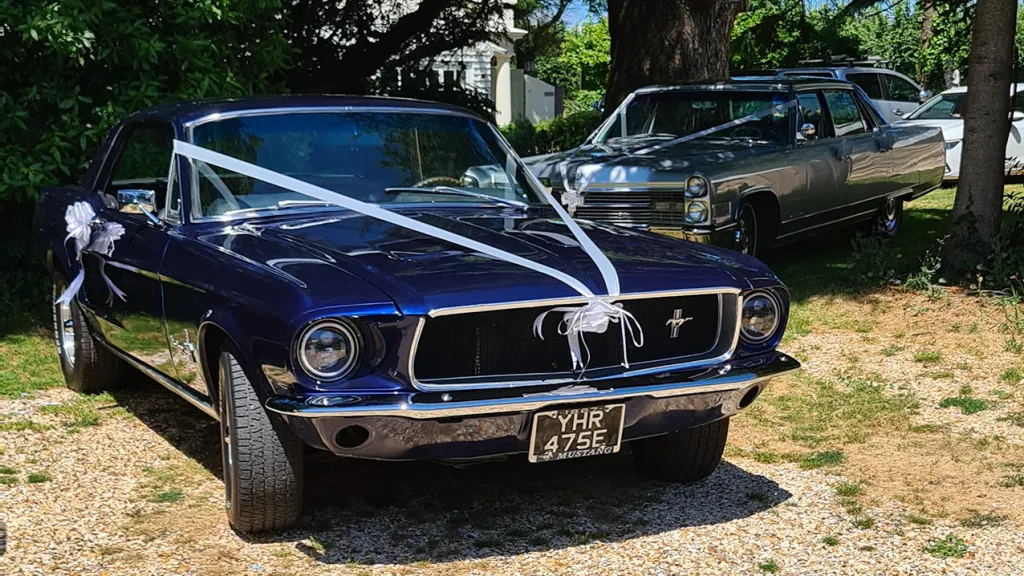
point(760, 318)
point(697, 212)
point(328, 350)
point(696, 187)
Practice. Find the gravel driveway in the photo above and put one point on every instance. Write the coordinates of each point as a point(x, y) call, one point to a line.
point(139, 494)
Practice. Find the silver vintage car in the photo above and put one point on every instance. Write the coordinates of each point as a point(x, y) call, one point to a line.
point(746, 163)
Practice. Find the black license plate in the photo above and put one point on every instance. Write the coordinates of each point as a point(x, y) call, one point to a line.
point(576, 432)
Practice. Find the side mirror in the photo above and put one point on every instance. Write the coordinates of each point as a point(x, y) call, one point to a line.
point(133, 201)
point(1017, 115)
point(925, 94)
point(808, 131)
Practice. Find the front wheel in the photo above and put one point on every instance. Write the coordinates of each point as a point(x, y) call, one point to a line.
point(684, 455)
point(87, 366)
point(891, 218)
point(262, 459)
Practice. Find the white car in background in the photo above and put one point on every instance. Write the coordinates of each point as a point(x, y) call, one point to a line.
point(946, 112)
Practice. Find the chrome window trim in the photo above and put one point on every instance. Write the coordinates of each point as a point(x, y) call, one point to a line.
point(642, 369)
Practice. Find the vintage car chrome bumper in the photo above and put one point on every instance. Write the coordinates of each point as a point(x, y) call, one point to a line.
point(488, 423)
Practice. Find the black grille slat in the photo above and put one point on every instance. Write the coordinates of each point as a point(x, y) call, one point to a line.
point(501, 342)
point(667, 208)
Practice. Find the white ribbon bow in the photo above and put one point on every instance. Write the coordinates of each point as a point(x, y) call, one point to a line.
point(595, 316)
point(92, 234)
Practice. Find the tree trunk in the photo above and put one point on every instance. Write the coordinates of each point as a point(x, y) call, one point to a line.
point(979, 193)
point(927, 17)
point(666, 42)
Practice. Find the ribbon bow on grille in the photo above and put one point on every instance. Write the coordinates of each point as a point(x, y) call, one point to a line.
point(594, 316)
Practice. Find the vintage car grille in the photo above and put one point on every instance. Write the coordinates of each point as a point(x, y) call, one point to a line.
point(499, 345)
point(640, 209)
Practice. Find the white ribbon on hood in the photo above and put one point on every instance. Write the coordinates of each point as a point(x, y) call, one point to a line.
point(91, 234)
point(591, 317)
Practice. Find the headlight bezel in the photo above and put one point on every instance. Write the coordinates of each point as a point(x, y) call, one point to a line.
point(352, 335)
point(777, 307)
point(703, 190)
point(705, 211)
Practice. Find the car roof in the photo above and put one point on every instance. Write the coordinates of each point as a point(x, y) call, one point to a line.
point(187, 112)
point(741, 82)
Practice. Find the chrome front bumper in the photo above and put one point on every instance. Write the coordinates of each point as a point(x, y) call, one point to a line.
point(728, 377)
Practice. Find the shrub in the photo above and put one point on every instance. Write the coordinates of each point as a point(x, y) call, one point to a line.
point(556, 135)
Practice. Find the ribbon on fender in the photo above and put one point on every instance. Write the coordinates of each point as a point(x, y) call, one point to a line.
point(591, 317)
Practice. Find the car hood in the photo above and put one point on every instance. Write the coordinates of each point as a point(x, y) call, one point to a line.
point(952, 129)
point(620, 163)
point(421, 273)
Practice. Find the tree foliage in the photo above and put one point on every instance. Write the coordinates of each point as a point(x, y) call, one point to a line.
point(580, 67)
point(69, 69)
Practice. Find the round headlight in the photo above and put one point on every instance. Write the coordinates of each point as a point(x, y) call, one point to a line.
point(328, 350)
point(696, 212)
point(760, 317)
point(696, 187)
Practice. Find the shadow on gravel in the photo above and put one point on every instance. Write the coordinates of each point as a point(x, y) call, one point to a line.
point(401, 513)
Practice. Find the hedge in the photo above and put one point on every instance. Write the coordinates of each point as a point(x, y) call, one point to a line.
point(557, 135)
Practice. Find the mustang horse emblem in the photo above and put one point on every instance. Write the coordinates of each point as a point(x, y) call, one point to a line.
point(676, 321)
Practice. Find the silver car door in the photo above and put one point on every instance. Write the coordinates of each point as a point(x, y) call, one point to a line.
point(902, 96)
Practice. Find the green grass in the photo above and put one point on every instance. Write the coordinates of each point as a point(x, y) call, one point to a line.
point(967, 405)
point(168, 497)
point(84, 411)
point(849, 489)
point(864, 522)
point(1012, 481)
point(951, 546)
point(982, 520)
point(1012, 375)
point(830, 541)
point(823, 459)
point(818, 413)
point(768, 567)
point(890, 351)
point(39, 477)
point(22, 426)
point(928, 357)
point(919, 520)
point(28, 362)
point(7, 470)
point(1015, 418)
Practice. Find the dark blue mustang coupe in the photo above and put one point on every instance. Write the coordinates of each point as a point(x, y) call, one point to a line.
point(384, 279)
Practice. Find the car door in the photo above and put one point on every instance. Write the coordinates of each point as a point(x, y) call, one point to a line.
point(133, 321)
point(810, 205)
point(871, 84)
point(901, 97)
point(861, 149)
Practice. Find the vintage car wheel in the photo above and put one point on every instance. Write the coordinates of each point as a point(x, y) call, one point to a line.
point(891, 217)
point(684, 455)
point(88, 367)
point(262, 459)
point(747, 230)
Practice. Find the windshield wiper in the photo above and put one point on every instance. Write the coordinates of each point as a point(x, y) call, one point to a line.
point(459, 192)
point(280, 205)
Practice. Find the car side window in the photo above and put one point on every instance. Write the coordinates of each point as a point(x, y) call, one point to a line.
point(811, 112)
point(900, 90)
point(868, 82)
point(846, 118)
point(144, 163)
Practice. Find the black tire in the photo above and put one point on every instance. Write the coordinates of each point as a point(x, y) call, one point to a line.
point(87, 365)
point(890, 218)
point(684, 455)
point(263, 460)
point(755, 229)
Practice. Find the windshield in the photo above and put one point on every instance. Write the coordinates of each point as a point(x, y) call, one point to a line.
point(376, 157)
point(941, 107)
point(675, 113)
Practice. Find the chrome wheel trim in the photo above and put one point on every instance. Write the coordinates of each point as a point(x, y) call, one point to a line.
point(890, 218)
point(64, 329)
point(746, 231)
point(227, 460)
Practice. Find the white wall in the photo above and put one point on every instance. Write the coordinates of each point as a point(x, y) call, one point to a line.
point(532, 99)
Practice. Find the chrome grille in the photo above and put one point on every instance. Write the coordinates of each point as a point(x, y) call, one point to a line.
point(658, 208)
point(488, 348)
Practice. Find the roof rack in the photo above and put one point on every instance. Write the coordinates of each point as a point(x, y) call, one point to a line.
point(844, 60)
